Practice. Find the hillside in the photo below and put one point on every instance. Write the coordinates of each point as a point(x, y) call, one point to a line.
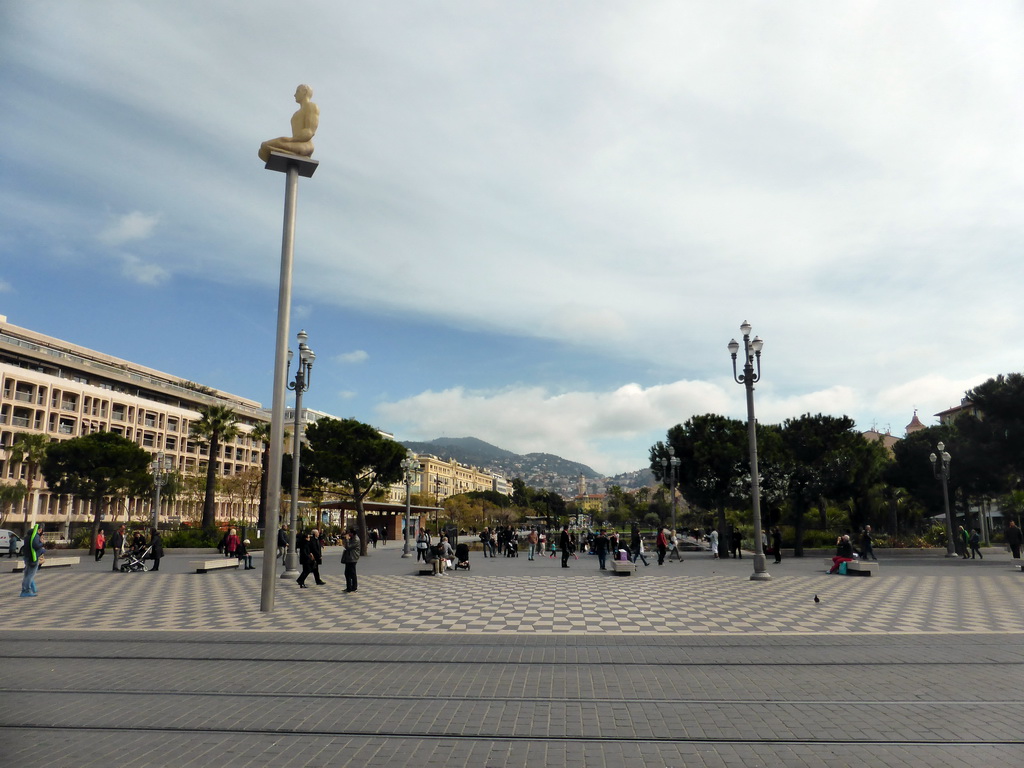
point(538, 470)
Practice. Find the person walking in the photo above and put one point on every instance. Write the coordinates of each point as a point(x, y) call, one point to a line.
point(713, 541)
point(101, 545)
point(485, 534)
point(32, 554)
point(867, 551)
point(975, 542)
point(1014, 538)
point(350, 557)
point(737, 543)
point(117, 542)
point(601, 544)
point(777, 543)
point(565, 544)
point(965, 541)
point(532, 540)
point(282, 542)
point(309, 558)
point(156, 548)
point(662, 544)
point(636, 543)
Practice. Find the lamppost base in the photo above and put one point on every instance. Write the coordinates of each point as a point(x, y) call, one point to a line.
point(406, 553)
point(291, 566)
point(760, 569)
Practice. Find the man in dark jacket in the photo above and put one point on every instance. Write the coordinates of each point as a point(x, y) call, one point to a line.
point(565, 544)
point(117, 544)
point(156, 543)
point(350, 557)
point(1014, 538)
point(601, 545)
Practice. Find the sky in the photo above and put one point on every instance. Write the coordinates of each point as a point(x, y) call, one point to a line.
point(534, 223)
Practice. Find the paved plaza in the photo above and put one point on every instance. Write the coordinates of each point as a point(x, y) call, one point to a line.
point(517, 663)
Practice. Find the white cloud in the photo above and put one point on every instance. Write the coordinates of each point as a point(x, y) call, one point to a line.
point(353, 358)
point(5, 287)
point(128, 228)
point(608, 430)
point(139, 271)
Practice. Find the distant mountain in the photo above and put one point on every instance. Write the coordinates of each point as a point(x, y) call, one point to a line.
point(538, 470)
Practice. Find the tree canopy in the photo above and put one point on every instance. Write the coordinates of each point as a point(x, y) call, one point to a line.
point(356, 455)
point(96, 467)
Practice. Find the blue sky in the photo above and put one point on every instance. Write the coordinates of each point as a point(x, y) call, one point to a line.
point(535, 223)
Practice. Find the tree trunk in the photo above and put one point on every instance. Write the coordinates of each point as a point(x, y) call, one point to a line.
point(798, 529)
point(261, 519)
point(209, 518)
point(99, 507)
point(361, 523)
point(723, 544)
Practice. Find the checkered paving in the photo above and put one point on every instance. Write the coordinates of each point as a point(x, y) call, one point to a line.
point(554, 602)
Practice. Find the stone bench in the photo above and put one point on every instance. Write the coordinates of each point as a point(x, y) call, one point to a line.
point(856, 567)
point(52, 562)
point(202, 566)
point(623, 566)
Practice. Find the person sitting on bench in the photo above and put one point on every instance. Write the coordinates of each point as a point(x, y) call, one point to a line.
point(844, 553)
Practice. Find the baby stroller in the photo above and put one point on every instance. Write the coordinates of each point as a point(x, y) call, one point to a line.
point(134, 560)
point(512, 547)
point(462, 556)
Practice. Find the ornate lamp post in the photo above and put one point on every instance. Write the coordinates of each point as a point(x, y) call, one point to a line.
point(670, 469)
point(751, 351)
point(437, 503)
point(303, 374)
point(941, 472)
point(161, 468)
point(409, 465)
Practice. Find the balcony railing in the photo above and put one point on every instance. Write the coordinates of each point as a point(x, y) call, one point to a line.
point(25, 397)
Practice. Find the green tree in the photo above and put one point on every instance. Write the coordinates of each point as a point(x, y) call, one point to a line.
point(9, 496)
point(29, 448)
point(713, 453)
point(216, 424)
point(1000, 430)
point(96, 467)
point(824, 458)
point(355, 454)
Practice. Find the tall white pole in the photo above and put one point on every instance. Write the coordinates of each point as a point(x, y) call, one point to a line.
point(293, 167)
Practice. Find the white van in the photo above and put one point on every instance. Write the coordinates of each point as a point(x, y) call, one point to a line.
point(6, 537)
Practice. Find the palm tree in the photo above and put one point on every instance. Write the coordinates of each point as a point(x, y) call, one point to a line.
point(217, 423)
point(29, 448)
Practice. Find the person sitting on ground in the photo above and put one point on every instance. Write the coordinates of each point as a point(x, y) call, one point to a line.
point(844, 553)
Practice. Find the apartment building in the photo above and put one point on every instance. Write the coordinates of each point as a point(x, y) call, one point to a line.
point(443, 478)
point(63, 390)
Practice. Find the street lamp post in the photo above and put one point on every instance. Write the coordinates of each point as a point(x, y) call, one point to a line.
point(941, 472)
point(409, 465)
point(749, 377)
point(670, 469)
point(303, 374)
point(437, 503)
point(160, 468)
